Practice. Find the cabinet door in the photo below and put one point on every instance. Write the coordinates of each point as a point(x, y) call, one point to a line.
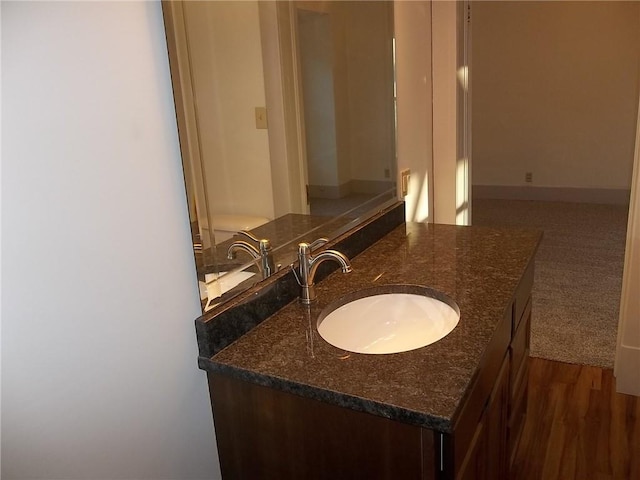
point(495, 426)
point(486, 458)
point(474, 465)
point(266, 433)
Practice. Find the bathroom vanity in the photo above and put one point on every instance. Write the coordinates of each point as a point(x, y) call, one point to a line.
point(287, 404)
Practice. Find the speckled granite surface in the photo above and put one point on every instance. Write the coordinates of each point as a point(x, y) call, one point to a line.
point(477, 267)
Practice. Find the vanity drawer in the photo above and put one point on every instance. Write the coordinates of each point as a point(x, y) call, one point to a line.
point(522, 298)
point(518, 382)
point(519, 349)
point(518, 410)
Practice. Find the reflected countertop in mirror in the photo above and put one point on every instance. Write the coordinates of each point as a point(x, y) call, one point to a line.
point(285, 232)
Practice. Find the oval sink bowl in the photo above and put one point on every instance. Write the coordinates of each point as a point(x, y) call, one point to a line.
point(388, 319)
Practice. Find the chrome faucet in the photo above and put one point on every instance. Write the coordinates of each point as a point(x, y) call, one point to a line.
point(309, 265)
point(262, 251)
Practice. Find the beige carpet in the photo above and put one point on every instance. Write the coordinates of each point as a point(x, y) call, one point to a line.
point(578, 280)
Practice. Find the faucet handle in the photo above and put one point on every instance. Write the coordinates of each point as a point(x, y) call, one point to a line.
point(318, 243)
point(304, 250)
point(263, 243)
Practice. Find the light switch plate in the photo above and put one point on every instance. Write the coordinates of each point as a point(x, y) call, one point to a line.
point(261, 117)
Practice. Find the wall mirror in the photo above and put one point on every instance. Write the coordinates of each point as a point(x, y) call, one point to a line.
point(286, 117)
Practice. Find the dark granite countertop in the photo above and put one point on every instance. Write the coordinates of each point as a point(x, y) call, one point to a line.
point(479, 268)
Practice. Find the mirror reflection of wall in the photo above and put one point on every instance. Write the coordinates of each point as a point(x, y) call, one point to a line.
point(228, 83)
point(344, 52)
point(315, 54)
point(346, 85)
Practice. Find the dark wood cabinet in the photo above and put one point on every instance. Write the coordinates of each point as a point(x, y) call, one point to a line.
point(486, 457)
point(519, 353)
point(495, 427)
point(490, 452)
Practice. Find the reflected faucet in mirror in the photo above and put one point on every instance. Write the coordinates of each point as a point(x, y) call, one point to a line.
point(263, 251)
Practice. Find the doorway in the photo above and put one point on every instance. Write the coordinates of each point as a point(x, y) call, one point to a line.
point(345, 100)
point(554, 112)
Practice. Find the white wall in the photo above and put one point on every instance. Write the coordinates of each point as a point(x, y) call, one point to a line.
point(445, 132)
point(99, 375)
point(368, 31)
point(288, 174)
point(412, 22)
point(357, 51)
point(316, 69)
point(555, 87)
point(627, 369)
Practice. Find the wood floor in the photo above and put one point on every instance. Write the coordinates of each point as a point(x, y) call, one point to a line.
point(577, 426)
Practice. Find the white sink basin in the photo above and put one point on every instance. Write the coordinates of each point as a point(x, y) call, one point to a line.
point(388, 319)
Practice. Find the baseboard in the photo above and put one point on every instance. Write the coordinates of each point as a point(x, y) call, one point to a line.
point(614, 196)
point(329, 191)
point(372, 187)
point(627, 371)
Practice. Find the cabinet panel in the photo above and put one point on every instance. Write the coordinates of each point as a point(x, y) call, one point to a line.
point(267, 433)
point(519, 349)
point(473, 466)
point(486, 457)
point(496, 424)
point(517, 413)
point(522, 296)
point(519, 352)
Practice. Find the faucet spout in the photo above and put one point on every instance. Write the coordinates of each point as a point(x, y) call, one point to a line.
point(242, 245)
point(334, 255)
point(263, 251)
point(309, 266)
